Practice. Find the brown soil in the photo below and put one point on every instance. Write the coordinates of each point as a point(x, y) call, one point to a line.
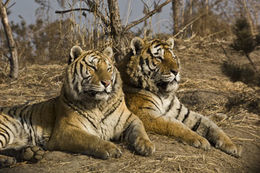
point(204, 88)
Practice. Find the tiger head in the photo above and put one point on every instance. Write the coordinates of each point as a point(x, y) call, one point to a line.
point(153, 65)
point(90, 75)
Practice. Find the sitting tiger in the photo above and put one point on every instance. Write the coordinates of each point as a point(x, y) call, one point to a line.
point(150, 74)
point(89, 112)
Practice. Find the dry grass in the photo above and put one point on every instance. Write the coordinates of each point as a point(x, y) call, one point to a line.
point(35, 83)
point(204, 88)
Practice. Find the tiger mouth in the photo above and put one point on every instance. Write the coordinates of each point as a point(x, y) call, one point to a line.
point(94, 93)
point(164, 85)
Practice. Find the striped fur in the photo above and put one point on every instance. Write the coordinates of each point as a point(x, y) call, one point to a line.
point(151, 74)
point(89, 112)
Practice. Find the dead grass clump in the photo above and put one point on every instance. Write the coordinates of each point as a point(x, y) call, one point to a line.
point(245, 101)
point(241, 73)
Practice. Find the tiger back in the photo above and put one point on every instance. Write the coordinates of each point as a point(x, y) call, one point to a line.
point(89, 112)
point(151, 73)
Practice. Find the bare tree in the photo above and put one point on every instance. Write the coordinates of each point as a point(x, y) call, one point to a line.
point(13, 58)
point(113, 24)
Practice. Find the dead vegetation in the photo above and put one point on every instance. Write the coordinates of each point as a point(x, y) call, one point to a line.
point(216, 80)
point(204, 88)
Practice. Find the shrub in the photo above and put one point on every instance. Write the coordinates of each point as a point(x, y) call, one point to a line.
point(241, 73)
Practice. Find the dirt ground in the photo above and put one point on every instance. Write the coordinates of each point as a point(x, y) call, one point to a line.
point(204, 88)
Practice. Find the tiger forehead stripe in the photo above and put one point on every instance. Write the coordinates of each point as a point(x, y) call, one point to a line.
point(157, 45)
point(93, 58)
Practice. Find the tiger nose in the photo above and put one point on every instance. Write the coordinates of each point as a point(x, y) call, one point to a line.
point(174, 72)
point(105, 83)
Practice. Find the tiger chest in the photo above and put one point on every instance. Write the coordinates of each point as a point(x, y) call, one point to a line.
point(162, 106)
point(106, 127)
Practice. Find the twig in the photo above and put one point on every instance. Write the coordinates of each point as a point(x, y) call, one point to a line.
point(149, 14)
point(6, 3)
point(186, 26)
point(215, 33)
point(225, 52)
point(98, 13)
point(7, 8)
point(128, 11)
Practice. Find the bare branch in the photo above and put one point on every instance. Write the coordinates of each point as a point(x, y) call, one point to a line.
point(149, 14)
point(7, 8)
point(190, 23)
point(92, 10)
point(70, 10)
point(6, 3)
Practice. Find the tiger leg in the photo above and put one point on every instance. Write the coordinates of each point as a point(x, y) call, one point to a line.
point(136, 136)
point(174, 128)
point(207, 128)
point(78, 141)
point(12, 139)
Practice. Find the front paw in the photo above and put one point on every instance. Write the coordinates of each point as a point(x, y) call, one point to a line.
point(32, 154)
point(108, 150)
point(6, 161)
point(198, 141)
point(228, 147)
point(144, 147)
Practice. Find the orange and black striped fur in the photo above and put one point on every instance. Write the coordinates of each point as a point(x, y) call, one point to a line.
point(151, 74)
point(89, 112)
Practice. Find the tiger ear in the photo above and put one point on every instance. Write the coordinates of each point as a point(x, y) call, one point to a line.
point(108, 52)
point(170, 42)
point(75, 52)
point(136, 45)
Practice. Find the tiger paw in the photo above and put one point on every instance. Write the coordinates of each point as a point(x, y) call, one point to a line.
point(229, 148)
point(6, 161)
point(144, 147)
point(32, 154)
point(199, 142)
point(107, 151)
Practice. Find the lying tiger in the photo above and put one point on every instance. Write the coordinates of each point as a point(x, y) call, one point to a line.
point(89, 112)
point(151, 74)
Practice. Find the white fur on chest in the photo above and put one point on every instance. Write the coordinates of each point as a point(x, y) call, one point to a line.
point(166, 103)
point(163, 104)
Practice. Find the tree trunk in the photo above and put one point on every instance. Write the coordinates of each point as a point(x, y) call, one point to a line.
point(206, 30)
point(182, 13)
point(116, 30)
point(190, 16)
point(175, 13)
point(10, 42)
point(256, 9)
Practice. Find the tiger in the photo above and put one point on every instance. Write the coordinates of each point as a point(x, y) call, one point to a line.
point(88, 114)
point(151, 76)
